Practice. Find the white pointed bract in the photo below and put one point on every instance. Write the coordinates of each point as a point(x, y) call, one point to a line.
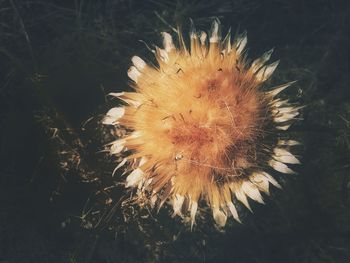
point(258, 63)
point(138, 63)
point(143, 160)
point(194, 206)
point(265, 72)
point(178, 201)
point(283, 127)
point(117, 146)
point(280, 167)
point(241, 42)
point(278, 89)
point(121, 164)
point(168, 42)
point(214, 38)
point(233, 211)
point(261, 182)
point(201, 126)
point(272, 180)
point(288, 142)
point(203, 37)
point(241, 196)
point(284, 156)
point(133, 73)
point(134, 178)
point(252, 191)
point(220, 217)
point(113, 115)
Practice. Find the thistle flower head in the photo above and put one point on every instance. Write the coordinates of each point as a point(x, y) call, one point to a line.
point(201, 126)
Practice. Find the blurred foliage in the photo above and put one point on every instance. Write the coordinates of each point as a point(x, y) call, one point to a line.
point(59, 201)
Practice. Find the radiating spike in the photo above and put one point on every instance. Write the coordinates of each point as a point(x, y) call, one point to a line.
point(291, 115)
point(134, 103)
point(259, 62)
point(283, 127)
point(282, 110)
point(134, 135)
point(280, 167)
point(143, 160)
point(117, 146)
point(241, 42)
point(165, 194)
point(193, 32)
point(162, 55)
point(233, 211)
point(119, 165)
point(286, 110)
point(285, 117)
point(284, 156)
point(113, 115)
point(178, 201)
point(260, 181)
point(252, 191)
point(277, 90)
point(194, 41)
point(147, 46)
point(215, 32)
point(181, 41)
point(227, 42)
point(131, 98)
point(116, 94)
point(203, 48)
point(147, 183)
point(272, 180)
point(134, 178)
point(140, 185)
point(288, 142)
point(270, 69)
point(116, 112)
point(219, 216)
point(168, 43)
point(279, 103)
point(133, 73)
point(194, 206)
point(203, 38)
point(154, 199)
point(138, 62)
point(265, 72)
point(240, 195)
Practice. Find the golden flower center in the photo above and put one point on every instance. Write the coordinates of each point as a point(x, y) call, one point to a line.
point(191, 134)
point(222, 114)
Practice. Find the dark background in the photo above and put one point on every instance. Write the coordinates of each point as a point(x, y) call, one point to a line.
point(59, 59)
